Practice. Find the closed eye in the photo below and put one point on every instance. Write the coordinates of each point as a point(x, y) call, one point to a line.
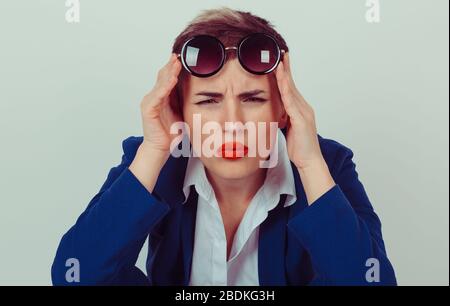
point(251, 100)
point(209, 101)
point(255, 99)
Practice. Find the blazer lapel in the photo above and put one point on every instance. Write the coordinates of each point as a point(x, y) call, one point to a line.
point(272, 246)
point(188, 232)
point(272, 238)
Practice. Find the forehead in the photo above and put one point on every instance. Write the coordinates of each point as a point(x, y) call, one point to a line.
point(232, 77)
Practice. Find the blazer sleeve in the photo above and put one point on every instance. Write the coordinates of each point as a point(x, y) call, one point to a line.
point(342, 233)
point(109, 234)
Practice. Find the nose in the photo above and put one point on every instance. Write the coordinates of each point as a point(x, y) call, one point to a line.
point(232, 114)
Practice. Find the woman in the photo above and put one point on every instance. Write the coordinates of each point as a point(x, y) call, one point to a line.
point(291, 213)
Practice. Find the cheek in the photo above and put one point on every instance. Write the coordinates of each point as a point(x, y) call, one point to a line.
point(265, 113)
point(266, 123)
point(196, 118)
point(266, 136)
point(194, 115)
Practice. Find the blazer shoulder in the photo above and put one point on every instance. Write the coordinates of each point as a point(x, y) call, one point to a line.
point(334, 153)
point(130, 146)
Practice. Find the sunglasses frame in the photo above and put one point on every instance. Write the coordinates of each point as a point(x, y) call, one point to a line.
point(224, 50)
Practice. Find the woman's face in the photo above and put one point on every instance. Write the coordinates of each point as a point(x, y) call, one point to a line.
point(236, 96)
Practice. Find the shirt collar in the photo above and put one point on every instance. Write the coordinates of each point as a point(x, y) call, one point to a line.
point(196, 176)
point(279, 179)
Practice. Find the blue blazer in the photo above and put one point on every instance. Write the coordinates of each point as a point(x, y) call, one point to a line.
point(327, 243)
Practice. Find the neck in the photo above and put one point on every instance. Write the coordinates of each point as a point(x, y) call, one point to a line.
point(232, 192)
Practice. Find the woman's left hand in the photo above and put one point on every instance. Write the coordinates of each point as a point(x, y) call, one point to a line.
point(302, 140)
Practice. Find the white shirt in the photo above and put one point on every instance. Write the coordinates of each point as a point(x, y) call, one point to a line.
point(209, 260)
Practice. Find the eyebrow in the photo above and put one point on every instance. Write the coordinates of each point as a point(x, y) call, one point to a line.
point(242, 96)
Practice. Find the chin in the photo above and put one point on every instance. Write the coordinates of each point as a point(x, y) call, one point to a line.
point(233, 169)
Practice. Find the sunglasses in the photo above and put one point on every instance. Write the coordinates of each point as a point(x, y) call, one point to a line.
point(204, 55)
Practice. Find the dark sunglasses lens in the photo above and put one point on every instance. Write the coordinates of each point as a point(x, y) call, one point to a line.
point(203, 55)
point(259, 53)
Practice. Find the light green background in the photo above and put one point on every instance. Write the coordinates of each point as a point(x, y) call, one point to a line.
point(69, 93)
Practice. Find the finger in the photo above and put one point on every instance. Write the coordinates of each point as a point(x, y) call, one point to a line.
point(287, 65)
point(176, 68)
point(167, 76)
point(286, 90)
point(165, 89)
point(166, 70)
point(297, 110)
point(171, 71)
point(172, 59)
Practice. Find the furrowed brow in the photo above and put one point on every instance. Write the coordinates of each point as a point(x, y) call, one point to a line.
point(242, 96)
point(249, 94)
point(209, 94)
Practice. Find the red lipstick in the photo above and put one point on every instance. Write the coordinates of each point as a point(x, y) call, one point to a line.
point(232, 150)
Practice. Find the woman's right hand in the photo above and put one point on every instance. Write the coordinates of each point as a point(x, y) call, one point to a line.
point(158, 114)
point(157, 108)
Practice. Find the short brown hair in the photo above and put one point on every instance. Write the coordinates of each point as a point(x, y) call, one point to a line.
point(229, 26)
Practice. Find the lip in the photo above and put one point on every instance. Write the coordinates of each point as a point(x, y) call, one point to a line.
point(232, 150)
